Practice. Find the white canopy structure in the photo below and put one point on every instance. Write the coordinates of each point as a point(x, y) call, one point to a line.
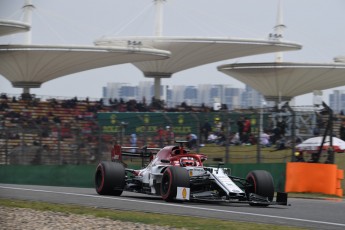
point(189, 52)
point(8, 27)
point(28, 66)
point(281, 81)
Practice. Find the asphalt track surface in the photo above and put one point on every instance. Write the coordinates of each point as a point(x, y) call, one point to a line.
point(308, 213)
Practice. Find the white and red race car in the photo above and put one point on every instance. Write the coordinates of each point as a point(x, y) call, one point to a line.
point(174, 173)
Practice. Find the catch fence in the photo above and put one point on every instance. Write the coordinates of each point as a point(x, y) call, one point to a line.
point(86, 140)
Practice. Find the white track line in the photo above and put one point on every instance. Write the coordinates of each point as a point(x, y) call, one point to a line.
point(177, 205)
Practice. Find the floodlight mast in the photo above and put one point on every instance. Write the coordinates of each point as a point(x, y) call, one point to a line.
point(27, 18)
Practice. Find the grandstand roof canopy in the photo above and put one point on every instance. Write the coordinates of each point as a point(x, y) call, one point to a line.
point(283, 81)
point(189, 52)
point(8, 27)
point(28, 66)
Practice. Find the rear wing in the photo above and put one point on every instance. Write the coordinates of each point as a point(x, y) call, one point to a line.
point(144, 152)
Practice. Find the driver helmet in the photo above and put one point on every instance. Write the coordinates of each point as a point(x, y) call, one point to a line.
point(187, 161)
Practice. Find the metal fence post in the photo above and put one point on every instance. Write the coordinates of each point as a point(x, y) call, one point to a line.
point(197, 132)
point(293, 131)
point(59, 143)
point(227, 139)
point(258, 144)
point(6, 147)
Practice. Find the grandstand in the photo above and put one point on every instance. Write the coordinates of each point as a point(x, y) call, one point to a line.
point(58, 131)
point(68, 131)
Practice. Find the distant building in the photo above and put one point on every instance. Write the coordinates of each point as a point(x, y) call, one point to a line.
point(226, 95)
point(251, 98)
point(337, 101)
point(113, 91)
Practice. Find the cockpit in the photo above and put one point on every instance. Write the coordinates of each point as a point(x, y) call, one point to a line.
point(188, 161)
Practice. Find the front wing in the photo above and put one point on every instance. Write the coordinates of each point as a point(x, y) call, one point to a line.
point(281, 199)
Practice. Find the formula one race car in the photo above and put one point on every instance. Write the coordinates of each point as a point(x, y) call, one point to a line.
point(174, 173)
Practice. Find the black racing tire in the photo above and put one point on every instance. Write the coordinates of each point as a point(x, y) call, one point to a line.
point(262, 185)
point(110, 178)
point(173, 177)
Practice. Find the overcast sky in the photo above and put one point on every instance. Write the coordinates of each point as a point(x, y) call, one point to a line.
point(318, 25)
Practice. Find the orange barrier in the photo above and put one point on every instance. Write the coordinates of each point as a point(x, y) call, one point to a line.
point(314, 178)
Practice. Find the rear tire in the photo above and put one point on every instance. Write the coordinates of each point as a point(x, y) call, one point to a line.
point(110, 178)
point(262, 185)
point(173, 177)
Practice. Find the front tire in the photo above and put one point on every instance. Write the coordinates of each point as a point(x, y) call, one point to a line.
point(262, 184)
point(110, 178)
point(173, 177)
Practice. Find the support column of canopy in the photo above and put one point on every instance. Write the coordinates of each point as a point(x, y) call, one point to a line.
point(278, 35)
point(27, 13)
point(26, 86)
point(158, 32)
point(157, 82)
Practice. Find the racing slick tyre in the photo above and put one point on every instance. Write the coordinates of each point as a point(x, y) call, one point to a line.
point(110, 178)
point(173, 177)
point(261, 184)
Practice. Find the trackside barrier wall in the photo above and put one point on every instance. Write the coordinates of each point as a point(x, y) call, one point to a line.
point(51, 175)
point(277, 170)
point(314, 178)
point(83, 175)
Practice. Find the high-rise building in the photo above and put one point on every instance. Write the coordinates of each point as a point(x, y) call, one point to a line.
point(207, 94)
point(232, 97)
point(337, 101)
point(112, 91)
point(251, 98)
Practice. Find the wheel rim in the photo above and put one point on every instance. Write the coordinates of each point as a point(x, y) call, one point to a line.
point(99, 180)
point(165, 184)
point(251, 188)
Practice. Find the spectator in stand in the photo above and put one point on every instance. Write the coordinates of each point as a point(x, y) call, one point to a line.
point(57, 120)
point(218, 126)
point(221, 139)
point(246, 130)
point(192, 140)
point(160, 136)
point(282, 126)
point(205, 131)
point(240, 126)
point(169, 136)
point(26, 96)
point(133, 142)
point(265, 139)
point(4, 106)
point(299, 157)
point(235, 139)
point(342, 130)
point(53, 103)
point(4, 96)
point(211, 138)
